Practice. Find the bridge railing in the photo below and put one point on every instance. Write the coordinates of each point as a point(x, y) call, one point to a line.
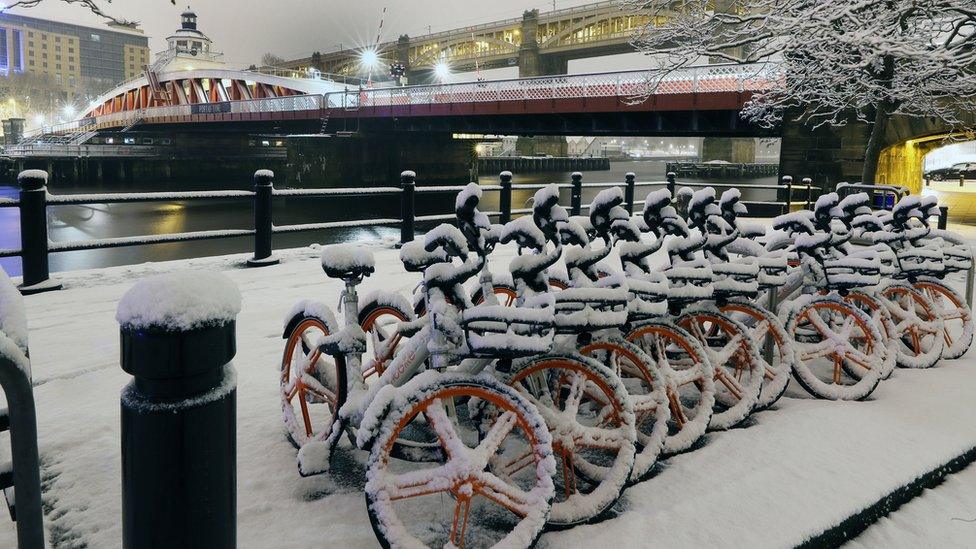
point(623, 84)
point(34, 200)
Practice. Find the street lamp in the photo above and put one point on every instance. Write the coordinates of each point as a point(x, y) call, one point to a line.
point(442, 71)
point(370, 59)
point(69, 111)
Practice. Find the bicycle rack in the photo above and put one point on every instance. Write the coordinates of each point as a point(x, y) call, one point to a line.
point(20, 478)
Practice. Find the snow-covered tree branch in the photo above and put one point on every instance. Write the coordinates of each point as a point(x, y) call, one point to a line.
point(91, 5)
point(837, 61)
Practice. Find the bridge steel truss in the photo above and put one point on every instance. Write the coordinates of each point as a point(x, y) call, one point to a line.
point(601, 28)
point(714, 88)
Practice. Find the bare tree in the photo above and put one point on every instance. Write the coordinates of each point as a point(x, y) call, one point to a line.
point(272, 60)
point(835, 61)
point(91, 5)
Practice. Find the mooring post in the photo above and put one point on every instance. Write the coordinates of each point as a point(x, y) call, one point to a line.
point(943, 217)
point(408, 182)
point(505, 197)
point(788, 203)
point(179, 437)
point(630, 182)
point(33, 233)
point(672, 183)
point(809, 185)
point(576, 194)
point(263, 220)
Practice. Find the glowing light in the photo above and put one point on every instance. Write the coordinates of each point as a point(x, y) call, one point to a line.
point(442, 71)
point(370, 58)
point(69, 111)
point(39, 119)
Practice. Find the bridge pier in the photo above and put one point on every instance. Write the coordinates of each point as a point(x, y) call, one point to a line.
point(735, 150)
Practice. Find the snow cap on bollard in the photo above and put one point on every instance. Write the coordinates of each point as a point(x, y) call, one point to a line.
point(178, 332)
point(630, 176)
point(32, 180)
point(263, 178)
point(577, 176)
point(505, 176)
point(408, 177)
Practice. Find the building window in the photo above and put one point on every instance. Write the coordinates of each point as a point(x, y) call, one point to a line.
point(17, 55)
point(44, 64)
point(57, 57)
point(71, 68)
point(57, 38)
point(96, 38)
point(3, 50)
point(44, 55)
point(58, 66)
point(71, 50)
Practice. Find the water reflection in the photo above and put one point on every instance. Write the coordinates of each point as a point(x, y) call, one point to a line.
point(67, 223)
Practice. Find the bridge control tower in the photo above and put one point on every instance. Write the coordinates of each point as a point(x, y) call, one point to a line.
point(188, 48)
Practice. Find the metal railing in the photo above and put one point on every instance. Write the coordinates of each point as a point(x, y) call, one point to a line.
point(20, 479)
point(36, 247)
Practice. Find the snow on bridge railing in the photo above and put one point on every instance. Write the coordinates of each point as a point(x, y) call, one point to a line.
point(635, 84)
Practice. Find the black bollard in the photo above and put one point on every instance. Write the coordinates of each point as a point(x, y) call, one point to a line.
point(788, 182)
point(630, 178)
point(808, 183)
point(263, 222)
point(505, 197)
point(408, 182)
point(672, 183)
point(179, 453)
point(33, 233)
point(576, 194)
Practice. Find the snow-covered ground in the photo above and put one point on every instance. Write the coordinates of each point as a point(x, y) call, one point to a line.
point(792, 472)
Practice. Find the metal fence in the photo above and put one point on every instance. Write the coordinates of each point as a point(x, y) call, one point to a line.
point(34, 200)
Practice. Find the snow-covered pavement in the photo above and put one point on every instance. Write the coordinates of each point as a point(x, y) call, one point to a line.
point(791, 473)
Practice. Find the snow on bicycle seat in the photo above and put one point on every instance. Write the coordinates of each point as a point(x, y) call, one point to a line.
point(810, 242)
point(585, 309)
point(772, 270)
point(416, 258)
point(648, 298)
point(347, 261)
point(498, 331)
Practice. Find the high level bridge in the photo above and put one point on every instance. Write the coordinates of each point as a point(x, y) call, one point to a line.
point(538, 43)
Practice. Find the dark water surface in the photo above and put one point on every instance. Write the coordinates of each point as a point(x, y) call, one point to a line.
point(70, 223)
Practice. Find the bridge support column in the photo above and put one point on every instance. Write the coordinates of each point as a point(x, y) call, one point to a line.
point(553, 145)
point(122, 173)
point(735, 150)
point(99, 172)
point(826, 155)
point(75, 170)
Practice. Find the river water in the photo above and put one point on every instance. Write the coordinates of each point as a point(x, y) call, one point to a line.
point(70, 223)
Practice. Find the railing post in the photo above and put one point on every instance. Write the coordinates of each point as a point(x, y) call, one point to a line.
point(25, 479)
point(408, 181)
point(630, 178)
point(943, 217)
point(788, 181)
point(672, 183)
point(962, 179)
point(576, 194)
point(33, 233)
point(809, 184)
point(505, 197)
point(263, 221)
point(178, 414)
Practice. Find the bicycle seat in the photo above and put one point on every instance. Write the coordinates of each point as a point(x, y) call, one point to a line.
point(347, 261)
point(571, 233)
point(416, 258)
point(957, 258)
point(584, 258)
point(731, 205)
point(689, 284)
point(772, 270)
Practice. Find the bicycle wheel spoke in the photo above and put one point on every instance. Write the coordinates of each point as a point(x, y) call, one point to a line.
point(493, 439)
point(444, 427)
point(422, 482)
point(507, 495)
point(461, 510)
